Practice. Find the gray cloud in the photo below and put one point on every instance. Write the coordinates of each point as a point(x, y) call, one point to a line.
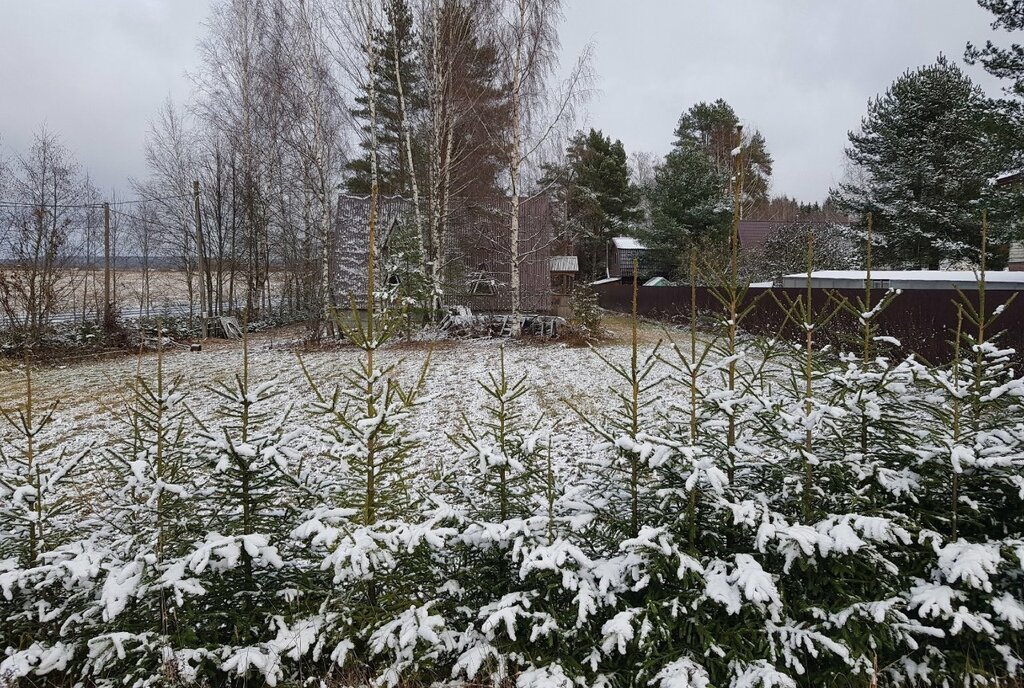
point(801, 71)
point(95, 71)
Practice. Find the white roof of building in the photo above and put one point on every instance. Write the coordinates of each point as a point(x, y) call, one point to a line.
point(565, 264)
point(628, 243)
point(907, 279)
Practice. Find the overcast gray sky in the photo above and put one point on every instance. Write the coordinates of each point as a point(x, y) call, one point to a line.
point(801, 71)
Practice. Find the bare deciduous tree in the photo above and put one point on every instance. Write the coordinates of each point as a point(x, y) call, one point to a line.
point(526, 34)
point(43, 224)
point(170, 156)
point(231, 83)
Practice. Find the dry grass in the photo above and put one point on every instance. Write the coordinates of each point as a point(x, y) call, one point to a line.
point(166, 288)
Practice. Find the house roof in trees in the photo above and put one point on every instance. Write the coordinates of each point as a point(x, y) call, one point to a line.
point(565, 264)
point(628, 244)
point(753, 233)
point(1009, 177)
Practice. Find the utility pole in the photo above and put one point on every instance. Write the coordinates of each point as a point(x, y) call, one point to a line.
point(201, 263)
point(108, 307)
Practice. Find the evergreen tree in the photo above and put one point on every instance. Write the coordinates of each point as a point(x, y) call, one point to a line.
point(784, 252)
point(473, 102)
point(689, 205)
point(392, 160)
point(923, 159)
point(1007, 64)
point(598, 198)
point(1003, 63)
point(711, 127)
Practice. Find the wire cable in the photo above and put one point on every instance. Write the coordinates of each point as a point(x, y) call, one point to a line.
point(155, 223)
point(22, 204)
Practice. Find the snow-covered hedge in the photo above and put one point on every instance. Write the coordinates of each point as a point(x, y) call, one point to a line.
point(803, 518)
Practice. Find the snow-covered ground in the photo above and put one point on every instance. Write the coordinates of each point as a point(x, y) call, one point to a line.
point(91, 396)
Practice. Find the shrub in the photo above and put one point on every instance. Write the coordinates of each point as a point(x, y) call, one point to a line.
point(751, 514)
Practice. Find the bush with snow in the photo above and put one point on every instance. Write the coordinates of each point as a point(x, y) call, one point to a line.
point(804, 517)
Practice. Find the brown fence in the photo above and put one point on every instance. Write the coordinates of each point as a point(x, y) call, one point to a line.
point(923, 320)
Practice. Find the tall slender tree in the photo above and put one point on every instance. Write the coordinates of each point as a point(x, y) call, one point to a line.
point(711, 128)
point(526, 35)
point(398, 77)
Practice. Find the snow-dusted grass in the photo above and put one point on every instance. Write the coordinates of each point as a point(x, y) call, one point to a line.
point(91, 396)
point(767, 516)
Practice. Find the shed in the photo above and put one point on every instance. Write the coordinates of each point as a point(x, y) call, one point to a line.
point(622, 254)
point(1015, 260)
point(563, 281)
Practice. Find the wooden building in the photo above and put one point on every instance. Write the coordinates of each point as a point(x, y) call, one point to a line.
point(623, 253)
point(1015, 259)
point(564, 269)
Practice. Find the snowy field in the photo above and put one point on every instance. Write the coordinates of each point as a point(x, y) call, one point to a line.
point(91, 396)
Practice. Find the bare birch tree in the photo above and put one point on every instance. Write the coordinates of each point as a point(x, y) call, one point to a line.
point(526, 34)
point(352, 30)
point(170, 158)
point(315, 136)
point(465, 112)
point(230, 85)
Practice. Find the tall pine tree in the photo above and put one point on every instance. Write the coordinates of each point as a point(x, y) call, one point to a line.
point(598, 199)
point(1003, 63)
point(393, 166)
point(711, 127)
point(922, 162)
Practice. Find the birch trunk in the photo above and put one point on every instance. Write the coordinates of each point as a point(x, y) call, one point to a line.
point(515, 160)
point(407, 133)
point(436, 176)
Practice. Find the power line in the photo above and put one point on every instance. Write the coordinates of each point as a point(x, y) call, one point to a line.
point(18, 204)
point(22, 204)
point(146, 221)
point(152, 200)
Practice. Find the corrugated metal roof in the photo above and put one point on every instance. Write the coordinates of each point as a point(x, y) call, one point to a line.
point(565, 264)
point(753, 233)
point(628, 243)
